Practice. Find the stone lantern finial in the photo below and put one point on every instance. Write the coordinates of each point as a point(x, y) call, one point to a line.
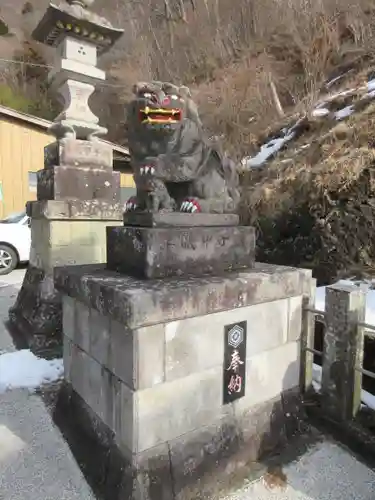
point(80, 36)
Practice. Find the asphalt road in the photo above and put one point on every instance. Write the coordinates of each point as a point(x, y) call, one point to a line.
point(15, 278)
point(35, 460)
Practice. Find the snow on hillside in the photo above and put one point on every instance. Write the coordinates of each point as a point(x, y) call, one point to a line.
point(328, 108)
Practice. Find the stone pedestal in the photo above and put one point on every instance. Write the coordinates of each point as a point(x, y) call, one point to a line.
point(78, 196)
point(144, 361)
point(164, 245)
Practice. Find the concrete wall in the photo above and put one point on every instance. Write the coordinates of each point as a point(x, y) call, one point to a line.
point(158, 384)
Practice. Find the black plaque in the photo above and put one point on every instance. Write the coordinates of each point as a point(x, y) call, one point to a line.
point(234, 369)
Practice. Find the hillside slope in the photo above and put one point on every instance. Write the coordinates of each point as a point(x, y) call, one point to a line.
point(314, 202)
point(247, 66)
point(284, 83)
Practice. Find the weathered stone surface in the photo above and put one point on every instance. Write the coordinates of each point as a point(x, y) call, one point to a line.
point(147, 418)
point(343, 350)
point(188, 341)
point(165, 252)
point(58, 242)
point(202, 451)
point(62, 182)
point(69, 313)
point(179, 219)
point(172, 409)
point(200, 464)
point(36, 317)
point(68, 358)
point(78, 153)
point(100, 390)
point(268, 374)
point(294, 411)
point(138, 303)
point(124, 352)
point(82, 326)
point(117, 476)
point(295, 318)
point(77, 209)
point(261, 427)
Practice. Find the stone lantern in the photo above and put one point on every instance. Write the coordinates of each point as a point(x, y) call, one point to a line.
point(78, 193)
point(80, 36)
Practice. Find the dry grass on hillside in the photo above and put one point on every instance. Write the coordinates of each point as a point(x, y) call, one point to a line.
point(239, 61)
point(314, 205)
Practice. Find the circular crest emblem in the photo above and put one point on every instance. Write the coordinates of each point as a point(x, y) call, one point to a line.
point(235, 336)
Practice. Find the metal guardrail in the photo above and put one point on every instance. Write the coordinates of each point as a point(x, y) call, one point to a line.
point(369, 331)
point(316, 313)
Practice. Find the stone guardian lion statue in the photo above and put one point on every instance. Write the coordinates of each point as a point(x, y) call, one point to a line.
point(175, 168)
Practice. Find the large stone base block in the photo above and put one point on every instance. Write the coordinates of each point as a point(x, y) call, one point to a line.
point(166, 249)
point(78, 153)
point(64, 182)
point(208, 463)
point(146, 360)
point(61, 233)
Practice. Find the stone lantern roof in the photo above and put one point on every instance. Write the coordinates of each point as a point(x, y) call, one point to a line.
point(75, 20)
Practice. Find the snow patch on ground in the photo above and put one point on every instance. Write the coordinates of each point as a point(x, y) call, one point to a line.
point(344, 112)
point(271, 147)
point(267, 150)
point(22, 369)
point(320, 112)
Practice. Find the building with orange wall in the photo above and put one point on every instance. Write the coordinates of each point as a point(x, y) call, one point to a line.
point(22, 141)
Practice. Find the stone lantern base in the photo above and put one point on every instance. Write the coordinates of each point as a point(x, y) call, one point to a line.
point(68, 226)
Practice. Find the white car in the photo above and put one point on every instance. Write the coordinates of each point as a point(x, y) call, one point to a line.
point(15, 241)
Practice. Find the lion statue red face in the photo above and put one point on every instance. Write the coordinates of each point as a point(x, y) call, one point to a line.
point(160, 106)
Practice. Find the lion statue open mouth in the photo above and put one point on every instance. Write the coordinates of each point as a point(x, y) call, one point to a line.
point(175, 169)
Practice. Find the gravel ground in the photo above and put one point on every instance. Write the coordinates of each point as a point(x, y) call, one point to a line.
point(326, 472)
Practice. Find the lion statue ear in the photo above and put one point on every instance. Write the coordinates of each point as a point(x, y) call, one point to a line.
point(138, 87)
point(184, 92)
point(191, 107)
point(157, 85)
point(170, 88)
